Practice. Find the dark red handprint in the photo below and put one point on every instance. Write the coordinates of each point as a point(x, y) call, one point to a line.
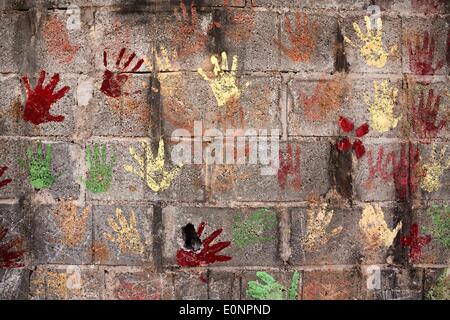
point(421, 57)
point(404, 171)
point(345, 144)
point(288, 167)
point(40, 100)
point(415, 242)
point(113, 82)
point(425, 116)
point(6, 181)
point(207, 254)
point(8, 258)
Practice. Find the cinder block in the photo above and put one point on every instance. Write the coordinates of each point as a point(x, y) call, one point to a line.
point(224, 286)
point(314, 4)
point(400, 284)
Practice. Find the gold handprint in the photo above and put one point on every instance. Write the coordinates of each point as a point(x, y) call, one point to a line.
point(73, 225)
point(381, 109)
point(151, 169)
point(126, 234)
point(372, 50)
point(224, 84)
point(375, 229)
point(433, 169)
point(316, 228)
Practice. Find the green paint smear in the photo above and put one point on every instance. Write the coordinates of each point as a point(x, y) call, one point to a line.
point(440, 224)
point(247, 232)
point(270, 289)
point(99, 175)
point(39, 167)
point(441, 290)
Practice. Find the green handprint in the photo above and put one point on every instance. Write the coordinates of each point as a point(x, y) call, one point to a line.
point(99, 174)
point(440, 224)
point(39, 167)
point(271, 289)
point(248, 232)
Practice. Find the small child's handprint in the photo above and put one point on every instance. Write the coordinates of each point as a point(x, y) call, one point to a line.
point(39, 167)
point(270, 289)
point(72, 224)
point(247, 232)
point(99, 175)
point(381, 109)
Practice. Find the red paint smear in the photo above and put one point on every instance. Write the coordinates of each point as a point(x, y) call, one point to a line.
point(362, 130)
point(422, 55)
point(288, 167)
point(40, 100)
point(425, 116)
point(344, 144)
point(113, 82)
point(132, 291)
point(345, 124)
point(6, 181)
point(415, 242)
point(207, 255)
point(58, 42)
point(359, 148)
point(8, 258)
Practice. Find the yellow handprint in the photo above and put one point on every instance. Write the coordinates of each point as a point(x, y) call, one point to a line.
point(224, 84)
point(434, 169)
point(127, 236)
point(151, 169)
point(375, 229)
point(372, 50)
point(72, 224)
point(382, 108)
point(316, 228)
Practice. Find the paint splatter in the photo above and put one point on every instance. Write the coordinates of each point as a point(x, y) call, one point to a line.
point(58, 41)
point(302, 40)
point(317, 223)
point(208, 254)
point(254, 229)
point(8, 257)
point(152, 169)
point(344, 144)
point(99, 175)
point(440, 224)
point(425, 122)
point(270, 289)
point(3, 183)
point(434, 169)
point(421, 57)
point(223, 84)
point(40, 100)
point(113, 83)
point(415, 242)
point(381, 109)
point(72, 224)
point(372, 48)
point(289, 166)
point(126, 235)
point(39, 167)
point(374, 228)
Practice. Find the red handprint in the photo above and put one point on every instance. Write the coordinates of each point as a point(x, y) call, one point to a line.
point(421, 57)
point(415, 242)
point(404, 172)
point(40, 100)
point(205, 256)
point(424, 117)
point(8, 258)
point(287, 167)
point(113, 82)
point(6, 181)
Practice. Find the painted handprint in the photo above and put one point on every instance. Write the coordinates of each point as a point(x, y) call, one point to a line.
point(3, 183)
point(72, 224)
point(289, 165)
point(126, 235)
point(40, 100)
point(424, 117)
point(404, 171)
point(422, 55)
point(206, 254)
point(415, 242)
point(99, 175)
point(357, 145)
point(317, 224)
point(372, 49)
point(440, 224)
point(381, 109)
point(374, 228)
point(152, 169)
point(112, 84)
point(434, 169)
point(302, 39)
point(223, 84)
point(187, 37)
point(39, 167)
point(271, 289)
point(9, 258)
point(58, 41)
point(247, 232)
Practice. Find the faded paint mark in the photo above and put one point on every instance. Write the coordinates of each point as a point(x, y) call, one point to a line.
point(440, 224)
point(372, 48)
point(3, 183)
point(289, 166)
point(421, 57)
point(99, 175)
point(317, 223)
point(126, 235)
point(72, 224)
point(254, 229)
point(381, 109)
point(100, 252)
point(239, 24)
point(39, 167)
point(40, 100)
point(427, 6)
point(425, 122)
point(434, 169)
point(58, 41)
point(134, 291)
point(415, 242)
point(270, 289)
point(152, 168)
point(8, 257)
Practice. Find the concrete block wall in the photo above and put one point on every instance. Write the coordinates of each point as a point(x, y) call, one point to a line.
point(370, 226)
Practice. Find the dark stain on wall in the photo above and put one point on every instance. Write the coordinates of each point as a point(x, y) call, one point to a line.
point(341, 172)
point(340, 62)
point(216, 37)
